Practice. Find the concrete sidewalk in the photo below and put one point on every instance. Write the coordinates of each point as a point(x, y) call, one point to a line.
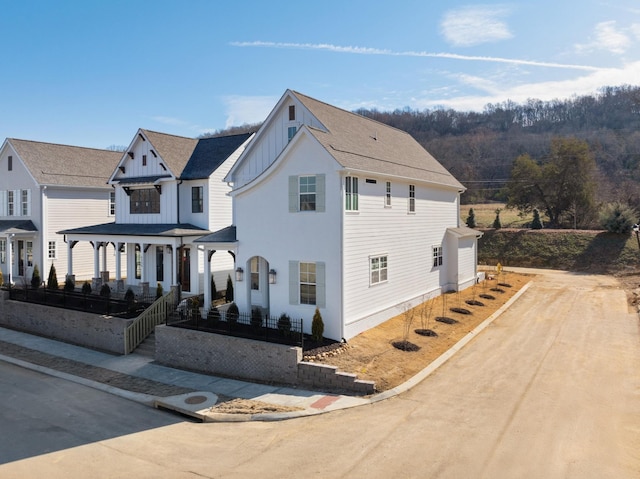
point(140, 379)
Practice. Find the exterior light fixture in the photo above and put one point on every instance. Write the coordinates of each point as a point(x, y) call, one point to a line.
point(272, 276)
point(239, 274)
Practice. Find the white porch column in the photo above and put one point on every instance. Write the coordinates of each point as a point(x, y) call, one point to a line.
point(207, 279)
point(143, 271)
point(10, 257)
point(96, 259)
point(104, 256)
point(69, 258)
point(174, 265)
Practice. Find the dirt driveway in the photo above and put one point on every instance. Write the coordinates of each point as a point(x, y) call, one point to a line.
point(551, 389)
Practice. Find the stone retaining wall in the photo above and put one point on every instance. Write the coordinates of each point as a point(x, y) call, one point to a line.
point(95, 331)
point(212, 353)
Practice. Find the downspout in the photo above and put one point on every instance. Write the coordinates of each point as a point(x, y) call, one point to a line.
point(43, 229)
point(342, 216)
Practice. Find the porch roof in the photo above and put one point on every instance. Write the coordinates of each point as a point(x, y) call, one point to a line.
point(464, 232)
point(17, 226)
point(225, 235)
point(135, 229)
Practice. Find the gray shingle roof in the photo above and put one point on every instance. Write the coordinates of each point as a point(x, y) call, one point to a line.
point(363, 144)
point(17, 226)
point(225, 235)
point(63, 165)
point(210, 153)
point(119, 229)
point(174, 150)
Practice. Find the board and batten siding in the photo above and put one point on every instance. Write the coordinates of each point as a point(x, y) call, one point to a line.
point(75, 208)
point(267, 147)
point(266, 228)
point(405, 238)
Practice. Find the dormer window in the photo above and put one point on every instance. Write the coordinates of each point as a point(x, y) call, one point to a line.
point(292, 112)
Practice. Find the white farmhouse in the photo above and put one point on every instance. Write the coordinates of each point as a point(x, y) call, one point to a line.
point(168, 192)
point(44, 188)
point(336, 211)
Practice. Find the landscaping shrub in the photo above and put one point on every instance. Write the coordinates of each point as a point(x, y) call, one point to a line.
point(130, 298)
point(86, 287)
point(256, 317)
point(105, 291)
point(52, 281)
point(228, 294)
point(471, 219)
point(159, 291)
point(618, 218)
point(536, 223)
point(284, 323)
point(213, 315)
point(35, 277)
point(232, 313)
point(317, 326)
point(214, 291)
point(496, 223)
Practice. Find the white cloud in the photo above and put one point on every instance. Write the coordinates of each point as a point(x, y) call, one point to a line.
point(496, 92)
point(376, 51)
point(247, 109)
point(609, 38)
point(473, 25)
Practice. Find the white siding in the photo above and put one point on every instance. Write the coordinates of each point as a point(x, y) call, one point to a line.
point(405, 238)
point(66, 209)
point(265, 228)
point(186, 215)
point(267, 147)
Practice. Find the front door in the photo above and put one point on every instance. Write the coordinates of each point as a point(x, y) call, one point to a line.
point(259, 282)
point(20, 256)
point(185, 269)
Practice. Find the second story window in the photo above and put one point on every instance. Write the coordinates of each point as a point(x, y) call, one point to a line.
point(291, 132)
point(11, 205)
point(145, 201)
point(25, 198)
point(197, 200)
point(144, 160)
point(112, 203)
point(292, 112)
point(52, 250)
point(351, 193)
point(412, 198)
point(387, 199)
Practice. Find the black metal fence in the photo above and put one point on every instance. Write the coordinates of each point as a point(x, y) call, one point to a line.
point(114, 304)
point(262, 328)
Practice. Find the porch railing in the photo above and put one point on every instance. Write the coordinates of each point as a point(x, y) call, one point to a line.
point(143, 325)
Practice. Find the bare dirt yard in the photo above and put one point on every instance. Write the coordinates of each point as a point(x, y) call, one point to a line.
point(373, 356)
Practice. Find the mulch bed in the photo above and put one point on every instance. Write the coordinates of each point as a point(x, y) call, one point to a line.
point(407, 346)
point(460, 310)
point(425, 332)
point(474, 302)
point(446, 320)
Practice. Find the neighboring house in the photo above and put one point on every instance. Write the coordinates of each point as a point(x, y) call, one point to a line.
point(336, 211)
point(44, 188)
point(168, 192)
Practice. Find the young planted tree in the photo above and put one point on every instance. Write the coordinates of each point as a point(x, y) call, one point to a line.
point(536, 223)
point(408, 315)
point(471, 219)
point(496, 223)
point(52, 280)
point(228, 294)
point(618, 218)
point(36, 280)
point(317, 326)
point(214, 291)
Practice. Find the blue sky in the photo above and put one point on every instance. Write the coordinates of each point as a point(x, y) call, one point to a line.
point(90, 73)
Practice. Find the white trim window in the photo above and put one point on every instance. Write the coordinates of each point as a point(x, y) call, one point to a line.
point(197, 199)
point(351, 193)
point(307, 188)
point(3, 251)
point(378, 269)
point(387, 198)
point(307, 193)
point(112, 203)
point(437, 255)
point(25, 198)
point(10, 203)
point(412, 198)
point(308, 283)
point(51, 250)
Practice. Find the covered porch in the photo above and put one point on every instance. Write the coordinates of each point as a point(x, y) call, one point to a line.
point(154, 255)
point(17, 239)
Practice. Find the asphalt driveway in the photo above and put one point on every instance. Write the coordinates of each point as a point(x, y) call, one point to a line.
point(551, 389)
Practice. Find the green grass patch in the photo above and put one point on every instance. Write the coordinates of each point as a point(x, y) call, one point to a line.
point(486, 213)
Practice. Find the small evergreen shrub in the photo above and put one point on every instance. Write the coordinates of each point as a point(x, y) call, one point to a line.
point(536, 223)
point(159, 291)
point(284, 323)
point(35, 277)
point(214, 291)
point(105, 291)
point(86, 288)
point(317, 327)
point(232, 313)
point(130, 298)
point(1, 279)
point(228, 294)
point(618, 218)
point(496, 223)
point(471, 219)
point(52, 281)
point(256, 317)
